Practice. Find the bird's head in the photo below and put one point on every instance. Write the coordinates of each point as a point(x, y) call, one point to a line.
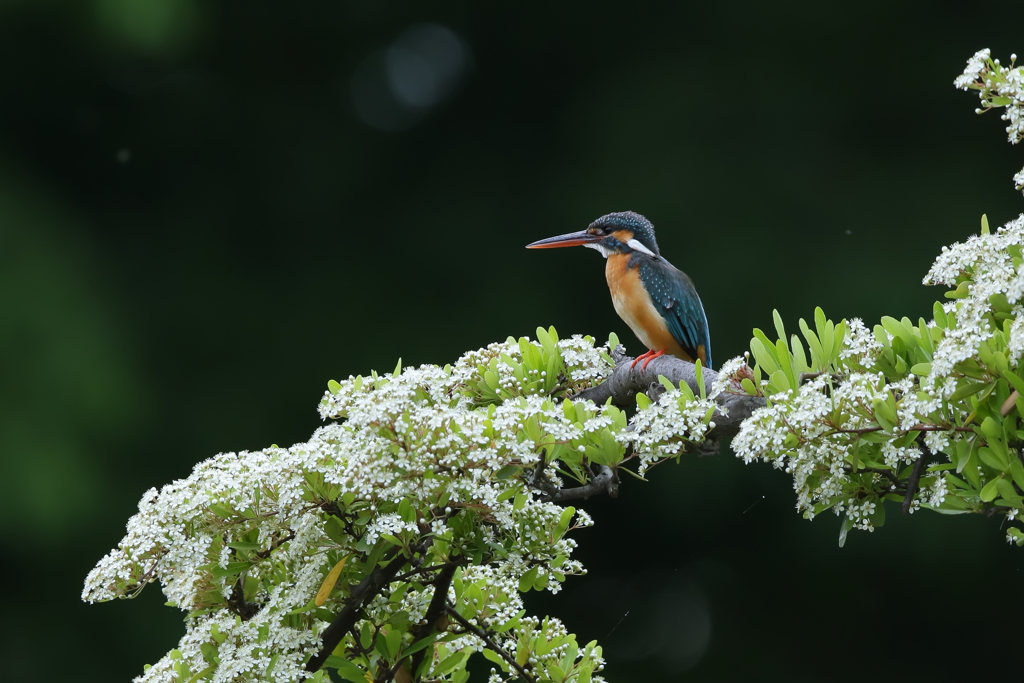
point(625, 232)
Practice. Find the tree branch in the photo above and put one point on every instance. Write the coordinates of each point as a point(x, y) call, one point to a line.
point(622, 386)
point(606, 481)
point(482, 635)
point(435, 612)
point(625, 383)
point(238, 604)
point(347, 617)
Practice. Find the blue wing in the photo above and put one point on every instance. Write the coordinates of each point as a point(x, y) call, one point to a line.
point(676, 299)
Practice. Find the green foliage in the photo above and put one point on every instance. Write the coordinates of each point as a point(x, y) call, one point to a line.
point(429, 479)
point(783, 361)
point(859, 423)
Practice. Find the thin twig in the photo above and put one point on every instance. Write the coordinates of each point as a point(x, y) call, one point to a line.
point(264, 554)
point(915, 428)
point(913, 481)
point(888, 474)
point(482, 635)
point(540, 478)
point(414, 572)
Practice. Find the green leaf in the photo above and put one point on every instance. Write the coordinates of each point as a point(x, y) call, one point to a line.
point(506, 472)
point(545, 340)
point(699, 373)
point(844, 530)
point(526, 582)
point(1017, 472)
point(240, 545)
point(232, 569)
point(394, 640)
point(798, 354)
point(886, 420)
point(346, 669)
point(991, 458)
point(969, 389)
point(333, 387)
point(780, 380)
point(449, 663)
point(203, 674)
point(826, 333)
point(988, 493)
point(613, 341)
point(335, 531)
point(898, 330)
point(1014, 379)
point(493, 656)
point(817, 352)
point(563, 521)
point(922, 369)
point(221, 511)
point(643, 401)
point(785, 361)
point(961, 292)
point(308, 607)
point(374, 556)
point(1006, 490)
point(984, 217)
point(762, 356)
point(779, 327)
point(991, 428)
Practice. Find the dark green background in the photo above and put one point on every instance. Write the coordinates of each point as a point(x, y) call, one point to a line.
point(260, 240)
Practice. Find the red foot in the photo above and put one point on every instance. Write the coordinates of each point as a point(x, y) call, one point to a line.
point(640, 358)
point(646, 358)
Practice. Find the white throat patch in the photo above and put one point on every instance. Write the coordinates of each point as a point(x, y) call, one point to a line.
point(635, 245)
point(605, 251)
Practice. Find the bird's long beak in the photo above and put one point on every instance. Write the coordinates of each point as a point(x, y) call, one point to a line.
point(572, 239)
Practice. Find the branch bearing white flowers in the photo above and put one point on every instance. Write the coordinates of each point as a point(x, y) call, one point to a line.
point(424, 468)
point(998, 86)
point(397, 541)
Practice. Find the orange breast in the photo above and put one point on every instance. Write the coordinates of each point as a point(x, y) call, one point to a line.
point(634, 306)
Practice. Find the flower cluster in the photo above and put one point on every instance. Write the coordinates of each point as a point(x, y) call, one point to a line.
point(420, 472)
point(863, 427)
point(864, 430)
point(998, 86)
point(417, 517)
point(677, 422)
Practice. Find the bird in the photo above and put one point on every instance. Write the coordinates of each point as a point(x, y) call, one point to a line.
point(654, 298)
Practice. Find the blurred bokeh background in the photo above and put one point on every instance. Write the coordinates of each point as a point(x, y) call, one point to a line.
point(208, 209)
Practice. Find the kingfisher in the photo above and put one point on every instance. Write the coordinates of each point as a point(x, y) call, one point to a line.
point(657, 300)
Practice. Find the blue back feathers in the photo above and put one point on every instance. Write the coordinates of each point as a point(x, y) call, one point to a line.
point(675, 298)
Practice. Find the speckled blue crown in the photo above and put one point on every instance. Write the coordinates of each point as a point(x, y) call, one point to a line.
point(629, 220)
